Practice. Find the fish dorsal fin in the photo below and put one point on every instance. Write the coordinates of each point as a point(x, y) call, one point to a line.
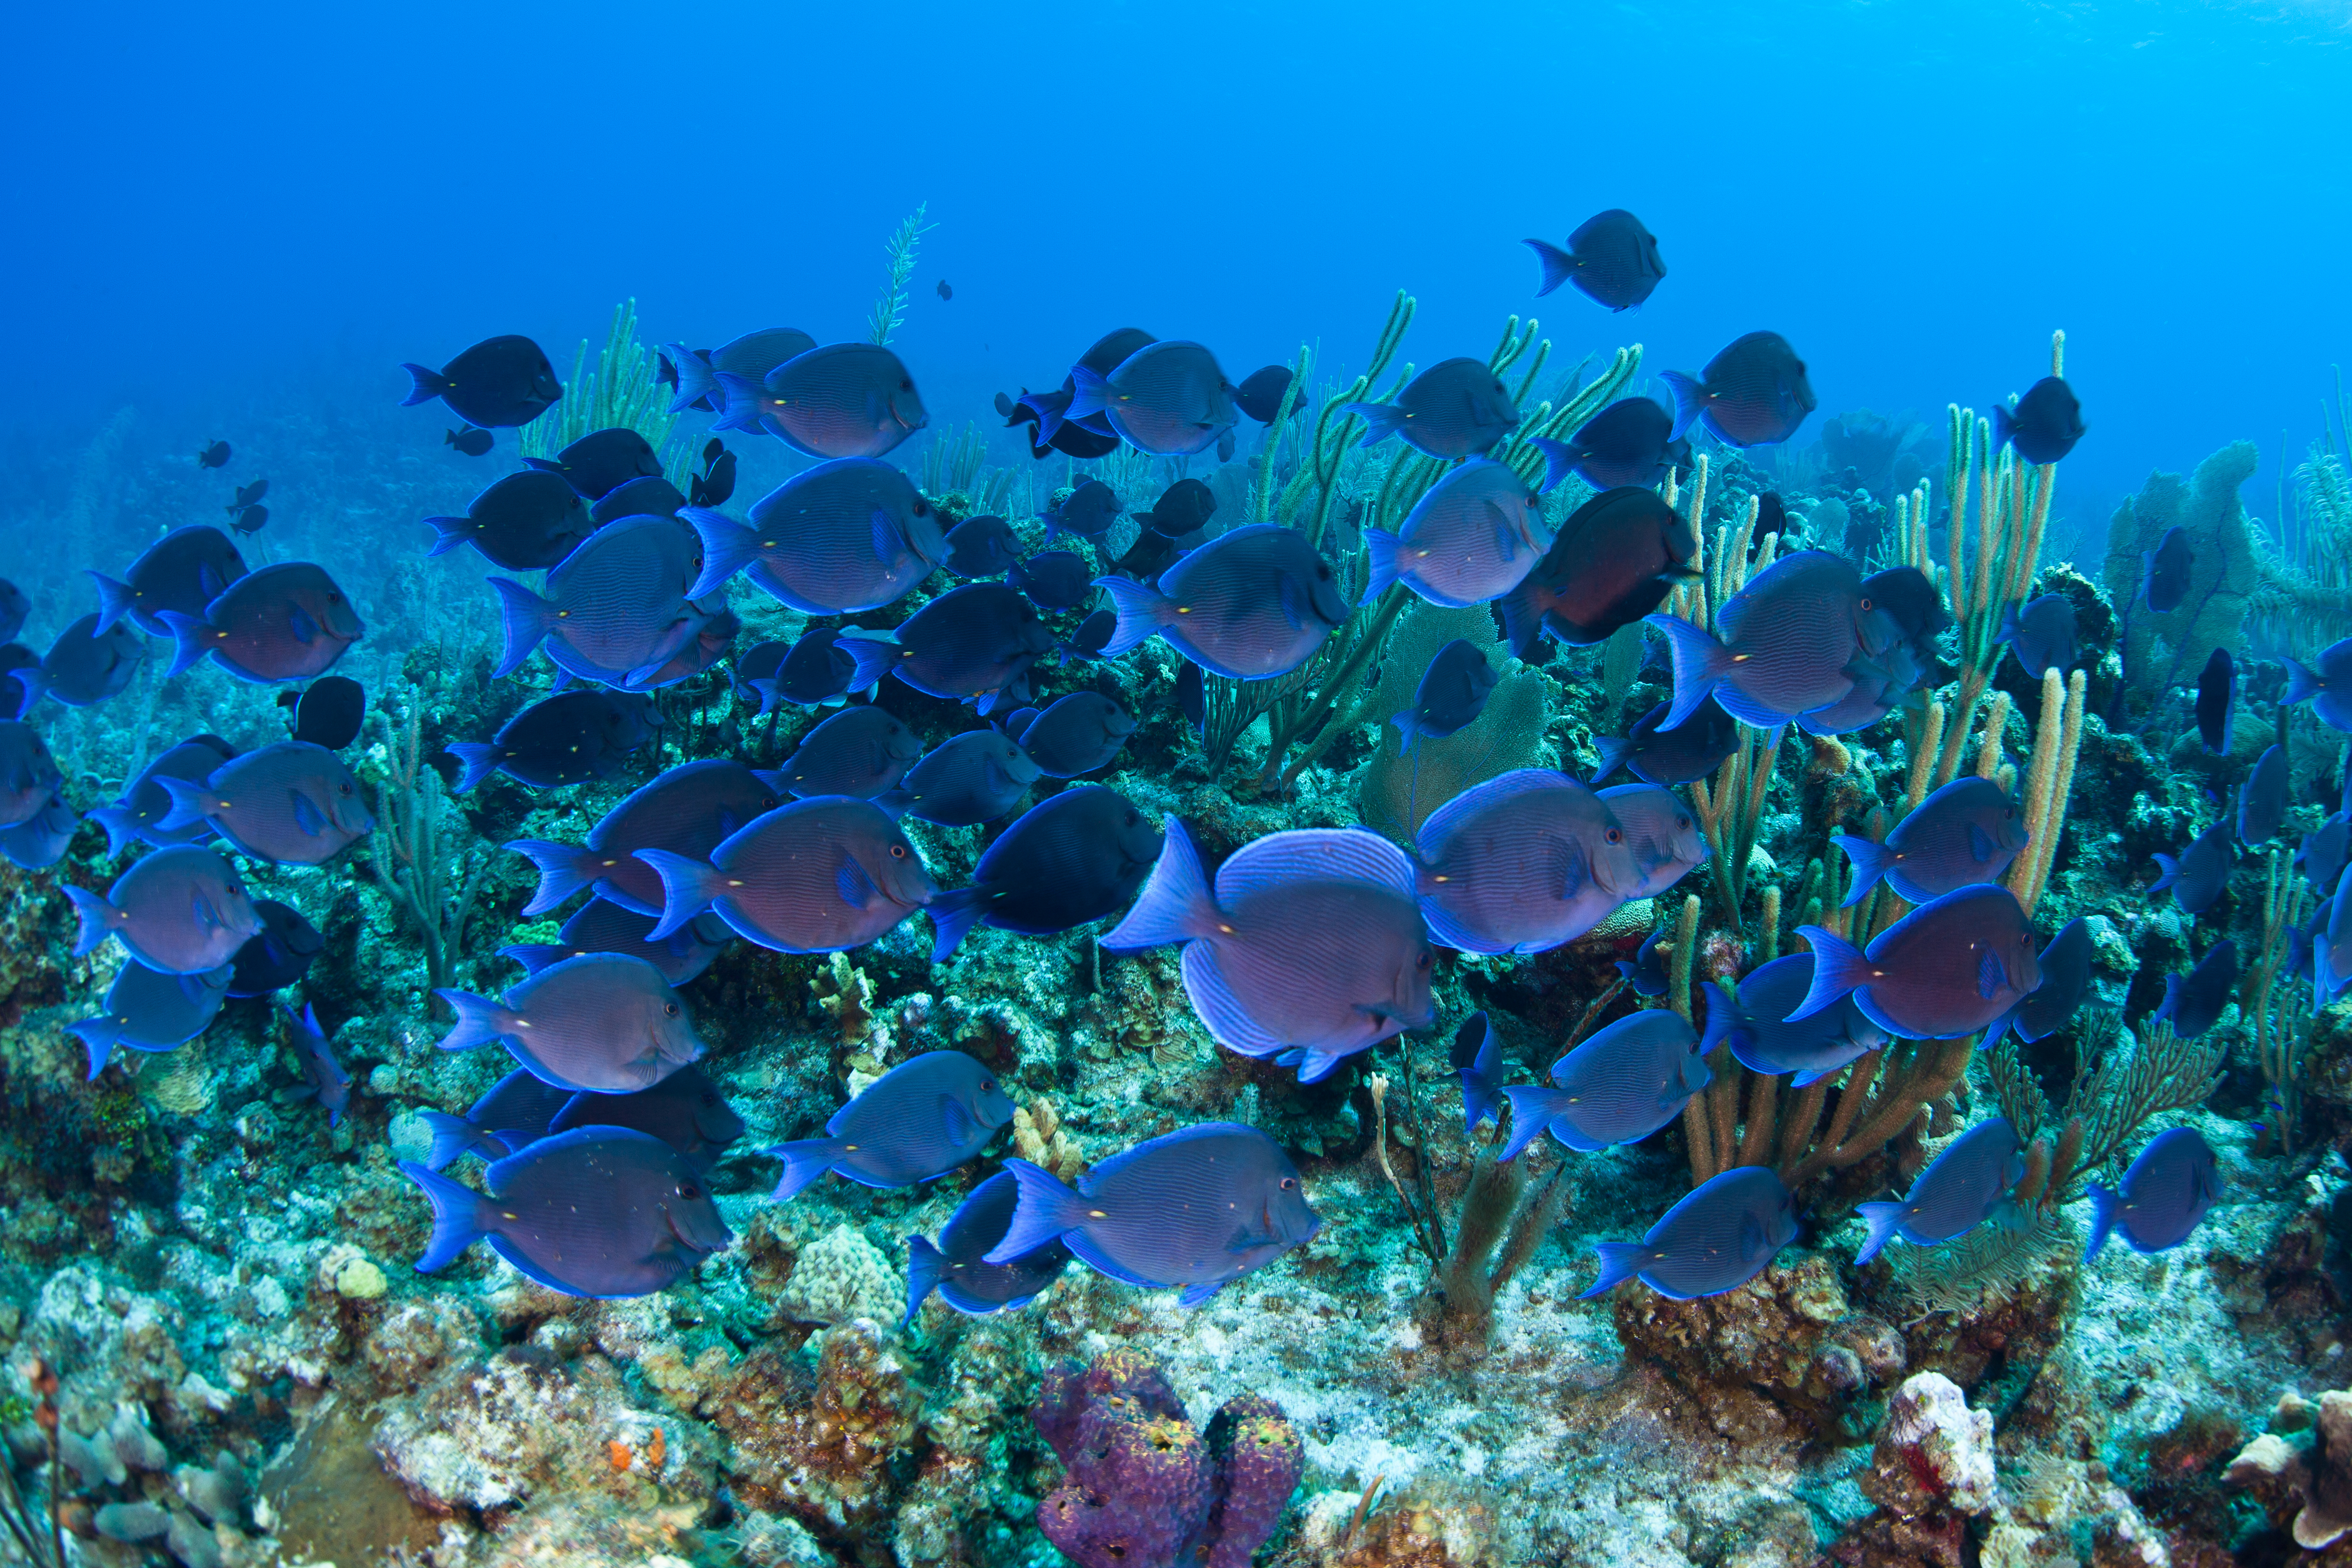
point(856, 889)
point(1992, 977)
point(1313, 855)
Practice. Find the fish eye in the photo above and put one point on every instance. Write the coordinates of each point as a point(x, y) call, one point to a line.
point(1322, 569)
point(1866, 601)
point(1614, 834)
point(897, 852)
point(988, 1086)
point(689, 1191)
point(1422, 962)
point(1289, 1184)
point(347, 789)
point(669, 1009)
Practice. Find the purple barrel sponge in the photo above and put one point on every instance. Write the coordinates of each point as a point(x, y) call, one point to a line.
point(1145, 1490)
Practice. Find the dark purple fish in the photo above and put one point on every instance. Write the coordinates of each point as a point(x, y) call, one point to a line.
point(2328, 688)
point(247, 495)
point(1968, 831)
point(513, 1113)
point(922, 1119)
point(2065, 982)
point(1053, 579)
point(1077, 857)
point(1261, 393)
point(1948, 968)
point(600, 1212)
point(841, 537)
point(184, 571)
point(603, 1021)
point(2166, 580)
point(1791, 639)
point(2195, 1003)
point(1915, 605)
point(502, 381)
point(1087, 511)
point(2046, 424)
point(1646, 971)
point(1619, 1086)
point(1522, 863)
point(18, 667)
point(2263, 798)
point(1076, 734)
point(287, 622)
point(603, 461)
point(2042, 633)
point(957, 1268)
point(1308, 949)
point(569, 738)
point(1192, 697)
point(15, 606)
point(252, 519)
point(968, 779)
point(292, 802)
point(86, 665)
point(2323, 854)
point(1624, 443)
point(147, 1010)
point(328, 711)
point(2162, 1198)
point(1094, 634)
point(184, 910)
point(213, 455)
point(1753, 1021)
point(653, 495)
point(685, 1110)
point(602, 926)
point(1452, 694)
point(1691, 750)
point(842, 400)
point(1476, 536)
point(138, 817)
point(2331, 945)
point(2201, 874)
point(323, 1077)
point(2217, 702)
point(1197, 1208)
point(1047, 413)
point(1456, 408)
point(40, 841)
point(1476, 1055)
point(1168, 398)
point(1959, 1190)
point(28, 774)
point(278, 954)
point(693, 372)
point(688, 810)
point(1254, 603)
point(859, 752)
point(619, 602)
point(1611, 257)
point(1662, 833)
point(525, 522)
point(1752, 394)
point(1613, 562)
point(974, 643)
point(822, 874)
point(471, 442)
point(820, 669)
point(981, 546)
point(1718, 1238)
point(1183, 508)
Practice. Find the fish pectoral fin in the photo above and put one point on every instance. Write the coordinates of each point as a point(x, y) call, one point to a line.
point(306, 630)
point(957, 1121)
point(1753, 1243)
point(887, 546)
point(1980, 844)
point(1991, 978)
point(1195, 1295)
point(306, 816)
point(1506, 537)
point(856, 889)
point(1293, 601)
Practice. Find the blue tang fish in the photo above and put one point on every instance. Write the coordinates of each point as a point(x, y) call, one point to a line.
point(323, 1077)
point(1474, 537)
point(1968, 831)
point(184, 910)
point(2201, 875)
point(1053, 579)
point(820, 875)
point(1657, 754)
point(687, 811)
point(685, 1110)
point(1792, 639)
point(292, 803)
point(2041, 633)
point(2263, 798)
point(1962, 1188)
point(974, 644)
point(958, 1268)
point(1453, 693)
point(1522, 863)
point(601, 925)
point(819, 670)
point(1456, 408)
point(1254, 603)
point(1948, 968)
point(604, 1022)
point(569, 738)
point(1168, 398)
point(1076, 856)
point(618, 603)
point(286, 622)
point(1718, 1238)
point(1624, 443)
point(2331, 945)
point(1075, 734)
point(1619, 1086)
point(147, 1010)
point(860, 752)
point(2166, 582)
point(983, 546)
point(2161, 1198)
point(186, 569)
point(693, 373)
point(1609, 257)
point(922, 1119)
point(1646, 971)
point(2195, 1003)
point(500, 382)
point(1753, 1022)
point(2045, 424)
point(85, 665)
point(41, 840)
point(967, 779)
point(1662, 834)
point(2328, 688)
point(30, 776)
point(2065, 981)
point(838, 400)
point(843, 536)
point(512, 1112)
point(1085, 513)
point(1752, 394)
point(525, 522)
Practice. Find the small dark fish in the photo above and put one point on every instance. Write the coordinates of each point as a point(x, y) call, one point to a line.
point(842, 400)
point(1094, 632)
point(693, 372)
point(2042, 633)
point(2201, 874)
point(15, 607)
point(569, 738)
point(86, 665)
point(715, 482)
point(523, 522)
point(247, 495)
point(2324, 850)
point(843, 536)
point(292, 802)
point(1611, 257)
point(922, 1119)
point(146, 1010)
point(323, 1077)
point(1086, 512)
point(1456, 408)
point(1474, 537)
point(1662, 833)
point(1619, 1086)
point(1522, 863)
point(1169, 399)
point(2263, 799)
point(2046, 424)
point(1308, 949)
point(1183, 507)
point(968, 779)
point(974, 643)
point(821, 668)
point(1197, 1208)
point(1692, 750)
point(1963, 1186)
point(983, 546)
point(2167, 579)
point(329, 712)
point(184, 571)
point(1790, 640)
point(1624, 443)
point(1968, 831)
point(278, 954)
point(1192, 695)
point(1054, 580)
point(602, 461)
point(957, 1268)
point(1752, 394)
point(1478, 1055)
point(601, 925)
point(945, 292)
point(2194, 1004)
point(1077, 857)
point(1753, 1021)
point(603, 1021)
point(2328, 688)
point(471, 441)
point(514, 1112)
point(1645, 973)
point(2162, 1198)
point(1076, 734)
point(1612, 562)
point(1716, 1239)
point(251, 520)
point(1048, 412)
point(287, 622)
point(2065, 982)
point(600, 1212)
point(652, 495)
point(2217, 702)
point(1251, 603)
point(859, 752)
point(184, 910)
point(1772, 517)
point(502, 381)
point(138, 815)
point(28, 774)
point(1147, 558)
point(685, 1110)
point(40, 841)
point(1948, 968)
point(816, 875)
point(1261, 392)
point(215, 456)
point(618, 603)
point(689, 810)
point(1914, 604)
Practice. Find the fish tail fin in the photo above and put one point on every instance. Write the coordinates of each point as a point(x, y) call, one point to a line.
point(1611, 752)
point(1559, 460)
point(189, 643)
point(2104, 1204)
point(476, 760)
point(113, 600)
point(954, 914)
point(1720, 999)
point(1870, 861)
point(1699, 662)
point(524, 618)
point(457, 1217)
point(2170, 1006)
point(2004, 425)
point(1380, 546)
point(448, 533)
point(1385, 420)
point(451, 1136)
point(696, 379)
point(689, 885)
point(2301, 686)
point(1620, 1261)
point(738, 398)
point(1139, 609)
point(480, 1021)
point(563, 870)
point(1838, 967)
point(533, 956)
point(1882, 1219)
point(2009, 623)
point(869, 660)
point(2168, 871)
point(424, 384)
point(926, 1265)
point(190, 803)
point(1090, 394)
point(98, 918)
point(1689, 399)
point(1532, 1108)
point(121, 829)
point(1557, 263)
point(1408, 731)
point(1523, 622)
point(98, 1036)
point(1175, 905)
point(727, 548)
point(1046, 1209)
point(804, 1162)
